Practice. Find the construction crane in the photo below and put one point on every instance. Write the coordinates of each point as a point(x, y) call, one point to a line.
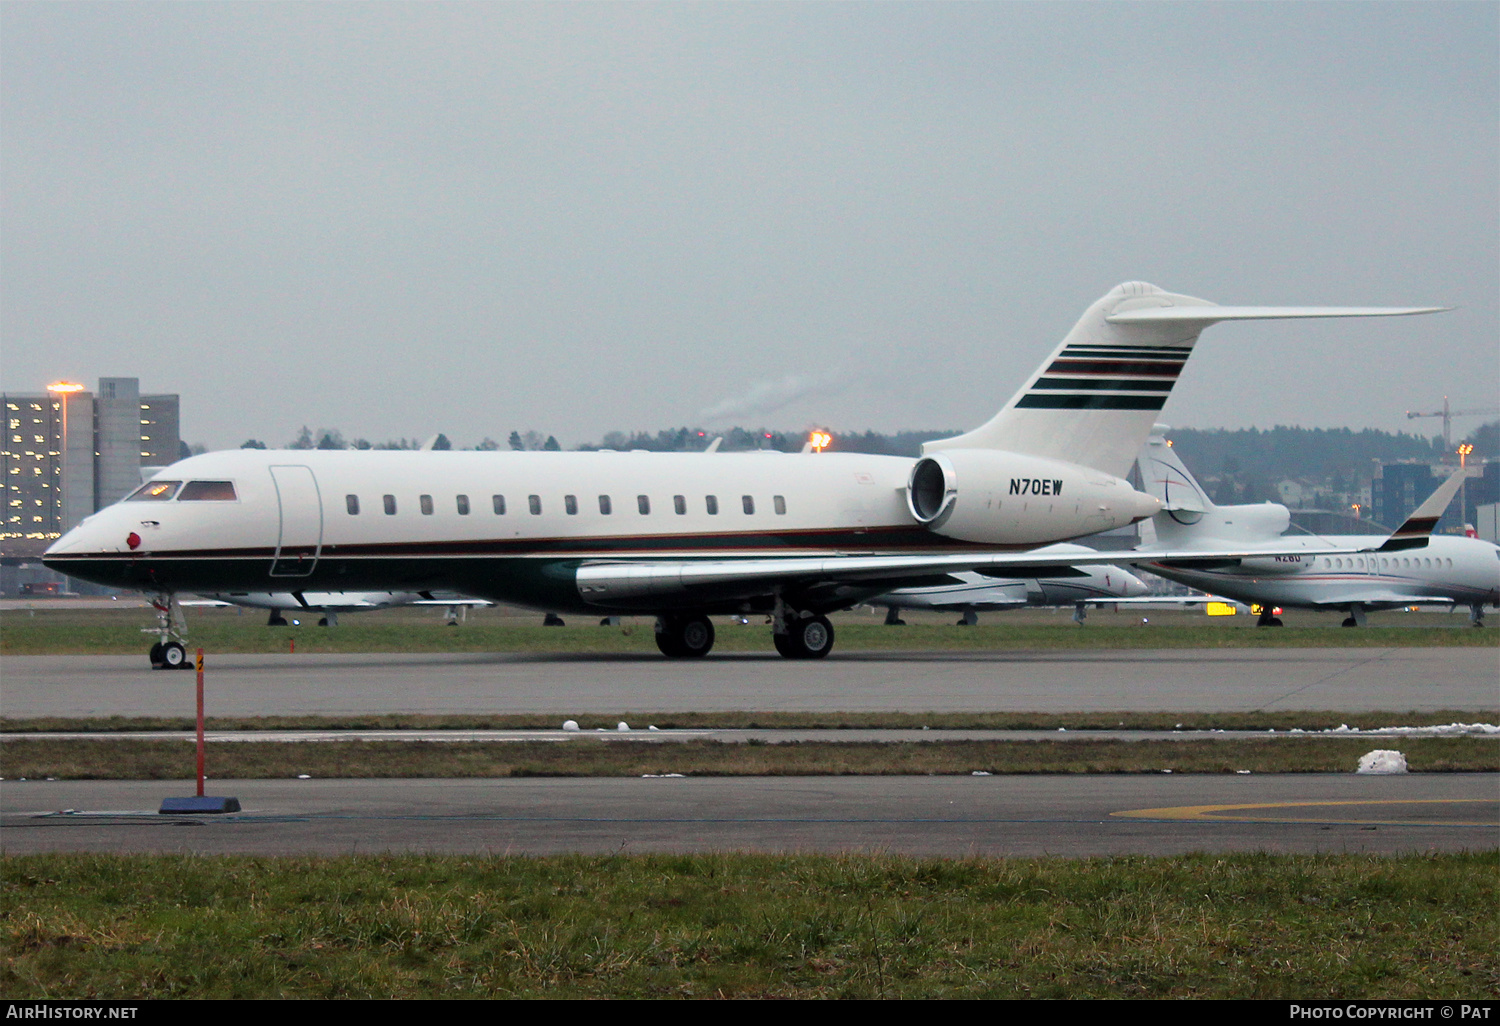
point(1448, 416)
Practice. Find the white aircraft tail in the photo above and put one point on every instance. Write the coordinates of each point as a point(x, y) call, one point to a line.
point(1413, 534)
point(1094, 400)
point(1189, 517)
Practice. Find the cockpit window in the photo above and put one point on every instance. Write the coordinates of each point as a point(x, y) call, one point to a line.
point(207, 491)
point(154, 491)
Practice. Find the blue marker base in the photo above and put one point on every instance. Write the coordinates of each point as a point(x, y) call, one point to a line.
point(171, 806)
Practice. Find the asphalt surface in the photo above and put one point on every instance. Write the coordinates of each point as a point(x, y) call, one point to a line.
point(1000, 815)
point(1181, 680)
point(950, 816)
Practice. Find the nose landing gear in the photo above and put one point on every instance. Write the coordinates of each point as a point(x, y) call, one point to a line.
point(169, 652)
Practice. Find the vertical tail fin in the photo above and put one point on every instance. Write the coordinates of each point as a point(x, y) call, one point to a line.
point(1165, 478)
point(1094, 400)
point(1189, 518)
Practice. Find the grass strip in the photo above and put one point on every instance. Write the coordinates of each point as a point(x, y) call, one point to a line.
point(597, 757)
point(750, 926)
point(1280, 720)
point(61, 634)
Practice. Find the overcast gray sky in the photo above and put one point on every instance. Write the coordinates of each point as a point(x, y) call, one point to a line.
point(472, 218)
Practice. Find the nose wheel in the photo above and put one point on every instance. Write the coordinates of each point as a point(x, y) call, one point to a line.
point(169, 656)
point(169, 653)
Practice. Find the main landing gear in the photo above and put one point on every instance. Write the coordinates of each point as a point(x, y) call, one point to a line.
point(1268, 618)
point(684, 637)
point(169, 652)
point(1356, 616)
point(803, 637)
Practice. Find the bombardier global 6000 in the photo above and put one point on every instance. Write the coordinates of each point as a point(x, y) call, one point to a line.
point(679, 536)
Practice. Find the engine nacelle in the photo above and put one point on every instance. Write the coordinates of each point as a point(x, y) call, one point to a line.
point(996, 497)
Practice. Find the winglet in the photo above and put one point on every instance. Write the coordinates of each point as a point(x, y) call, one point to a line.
point(1418, 527)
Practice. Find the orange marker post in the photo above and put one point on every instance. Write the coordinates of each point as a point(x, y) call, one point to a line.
point(201, 803)
point(200, 723)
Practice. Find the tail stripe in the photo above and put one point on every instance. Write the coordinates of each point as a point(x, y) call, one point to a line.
point(1106, 378)
point(1162, 385)
point(1106, 401)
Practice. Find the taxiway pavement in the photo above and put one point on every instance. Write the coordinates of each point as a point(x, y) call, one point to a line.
point(1186, 680)
point(947, 816)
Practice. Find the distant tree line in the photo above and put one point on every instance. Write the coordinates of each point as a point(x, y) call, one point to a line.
point(1243, 465)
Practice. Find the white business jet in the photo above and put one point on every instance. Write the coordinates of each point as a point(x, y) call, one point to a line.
point(329, 604)
point(1406, 569)
point(677, 535)
point(1059, 585)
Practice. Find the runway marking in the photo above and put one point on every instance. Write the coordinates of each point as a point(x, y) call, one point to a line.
point(1224, 813)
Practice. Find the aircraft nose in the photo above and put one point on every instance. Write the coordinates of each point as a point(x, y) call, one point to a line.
point(103, 532)
point(1135, 587)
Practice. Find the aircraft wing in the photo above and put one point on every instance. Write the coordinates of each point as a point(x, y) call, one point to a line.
point(471, 603)
point(607, 581)
point(1372, 597)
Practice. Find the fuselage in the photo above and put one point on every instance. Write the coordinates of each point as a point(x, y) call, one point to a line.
point(515, 526)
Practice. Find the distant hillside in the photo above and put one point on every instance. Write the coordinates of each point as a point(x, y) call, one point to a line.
point(1312, 453)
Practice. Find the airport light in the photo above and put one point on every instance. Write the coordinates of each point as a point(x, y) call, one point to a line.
point(820, 440)
point(1463, 501)
point(64, 386)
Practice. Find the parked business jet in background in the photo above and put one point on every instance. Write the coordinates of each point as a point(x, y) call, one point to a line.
point(1445, 568)
point(979, 593)
point(677, 535)
point(331, 603)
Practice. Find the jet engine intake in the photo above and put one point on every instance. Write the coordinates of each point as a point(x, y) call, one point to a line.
point(993, 497)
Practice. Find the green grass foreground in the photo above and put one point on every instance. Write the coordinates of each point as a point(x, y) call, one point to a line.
point(750, 926)
point(129, 759)
point(118, 632)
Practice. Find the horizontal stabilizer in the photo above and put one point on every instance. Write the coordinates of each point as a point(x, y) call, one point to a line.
point(1203, 316)
point(1094, 399)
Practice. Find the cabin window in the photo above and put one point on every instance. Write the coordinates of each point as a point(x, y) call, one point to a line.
point(570, 504)
point(535, 502)
point(351, 503)
point(499, 503)
point(207, 491)
point(712, 502)
point(154, 491)
point(679, 503)
point(425, 501)
point(604, 505)
point(390, 504)
point(643, 503)
point(463, 505)
point(779, 501)
point(748, 502)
